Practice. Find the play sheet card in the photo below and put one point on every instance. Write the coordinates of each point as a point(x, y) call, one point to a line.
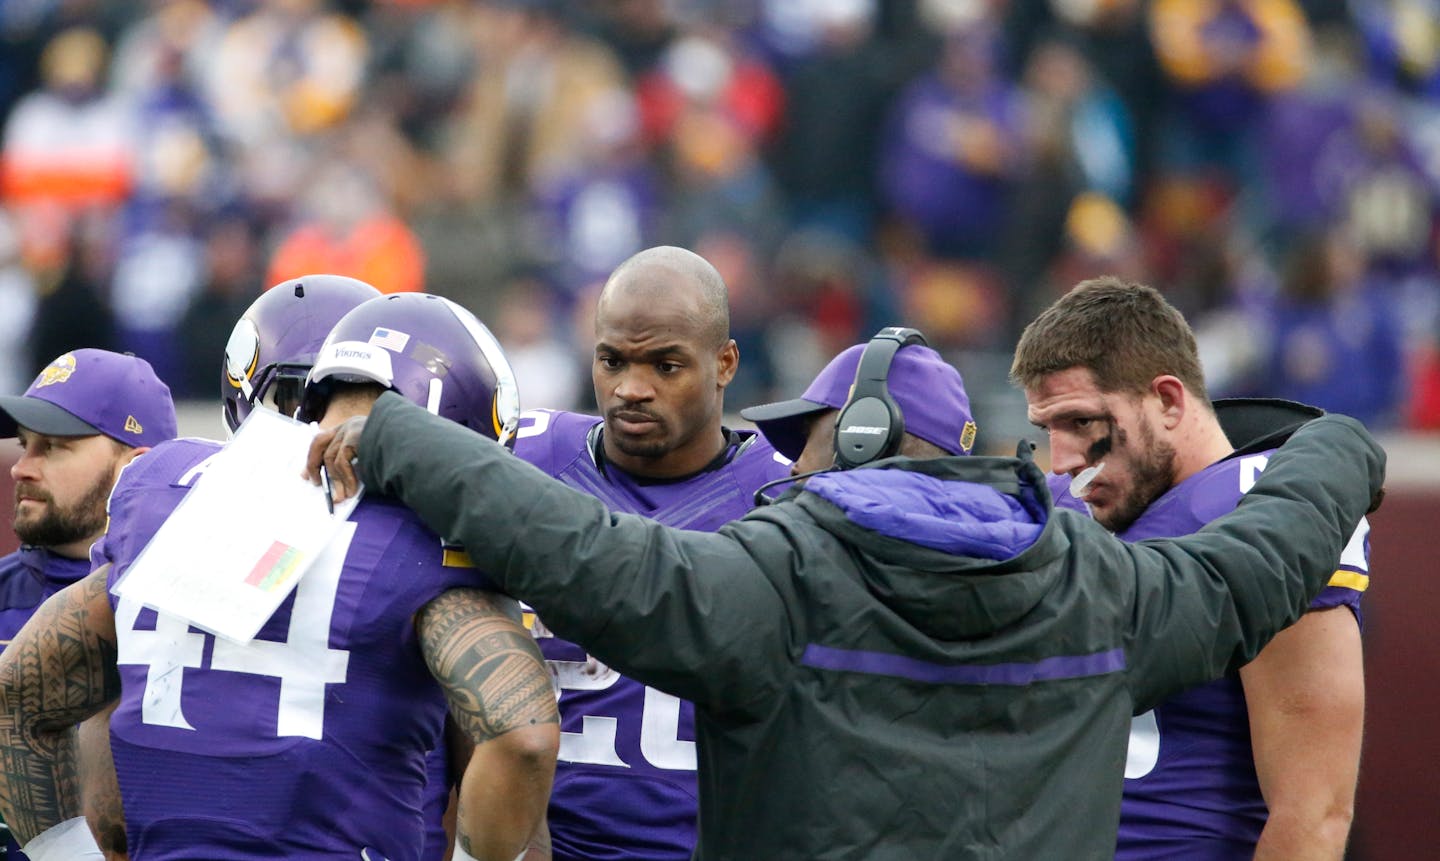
point(243, 537)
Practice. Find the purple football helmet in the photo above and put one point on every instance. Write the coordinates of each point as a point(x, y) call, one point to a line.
point(431, 351)
point(274, 343)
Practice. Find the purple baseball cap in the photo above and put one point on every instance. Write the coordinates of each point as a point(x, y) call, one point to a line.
point(88, 392)
point(928, 389)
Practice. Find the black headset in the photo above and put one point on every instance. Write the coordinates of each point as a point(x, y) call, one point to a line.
point(870, 425)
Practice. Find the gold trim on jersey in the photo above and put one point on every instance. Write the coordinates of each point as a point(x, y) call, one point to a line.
point(455, 557)
point(1347, 579)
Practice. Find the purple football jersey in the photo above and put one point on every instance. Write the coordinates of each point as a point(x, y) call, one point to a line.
point(625, 784)
point(308, 742)
point(1190, 785)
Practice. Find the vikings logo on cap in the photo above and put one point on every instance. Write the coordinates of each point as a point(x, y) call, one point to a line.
point(242, 354)
point(967, 436)
point(57, 371)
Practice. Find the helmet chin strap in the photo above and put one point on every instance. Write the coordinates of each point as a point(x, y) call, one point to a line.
point(432, 402)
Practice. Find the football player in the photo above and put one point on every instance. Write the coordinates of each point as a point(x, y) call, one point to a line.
point(625, 784)
point(88, 414)
point(1261, 763)
point(267, 357)
point(311, 740)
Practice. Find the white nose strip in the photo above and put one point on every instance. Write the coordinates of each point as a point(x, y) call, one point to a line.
point(1081, 484)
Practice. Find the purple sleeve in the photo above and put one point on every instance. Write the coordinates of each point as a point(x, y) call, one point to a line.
point(1352, 576)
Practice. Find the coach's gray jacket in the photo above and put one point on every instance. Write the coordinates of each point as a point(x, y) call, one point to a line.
point(916, 660)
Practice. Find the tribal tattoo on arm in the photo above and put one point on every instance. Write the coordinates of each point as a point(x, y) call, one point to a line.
point(490, 667)
point(501, 699)
point(59, 670)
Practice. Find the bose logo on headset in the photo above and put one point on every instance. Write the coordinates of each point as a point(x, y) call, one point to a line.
point(870, 425)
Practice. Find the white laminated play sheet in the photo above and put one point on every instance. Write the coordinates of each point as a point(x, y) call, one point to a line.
point(243, 537)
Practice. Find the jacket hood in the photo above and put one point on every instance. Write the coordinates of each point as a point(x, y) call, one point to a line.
point(1257, 424)
point(955, 545)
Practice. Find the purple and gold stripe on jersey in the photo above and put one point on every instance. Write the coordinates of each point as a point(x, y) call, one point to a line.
point(1345, 589)
point(455, 557)
point(1352, 576)
point(1344, 578)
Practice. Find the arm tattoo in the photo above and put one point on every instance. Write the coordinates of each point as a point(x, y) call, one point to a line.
point(59, 670)
point(489, 665)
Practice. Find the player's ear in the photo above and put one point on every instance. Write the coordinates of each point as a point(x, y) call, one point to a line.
point(128, 454)
point(124, 458)
point(1174, 399)
point(726, 361)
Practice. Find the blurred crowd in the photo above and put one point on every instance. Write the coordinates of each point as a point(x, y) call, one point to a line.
point(1272, 165)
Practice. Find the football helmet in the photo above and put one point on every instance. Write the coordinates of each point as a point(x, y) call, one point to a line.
point(431, 351)
point(274, 342)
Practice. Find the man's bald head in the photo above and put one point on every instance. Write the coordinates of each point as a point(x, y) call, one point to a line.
point(663, 357)
point(666, 274)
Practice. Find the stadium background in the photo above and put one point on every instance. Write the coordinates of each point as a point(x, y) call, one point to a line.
point(1272, 165)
